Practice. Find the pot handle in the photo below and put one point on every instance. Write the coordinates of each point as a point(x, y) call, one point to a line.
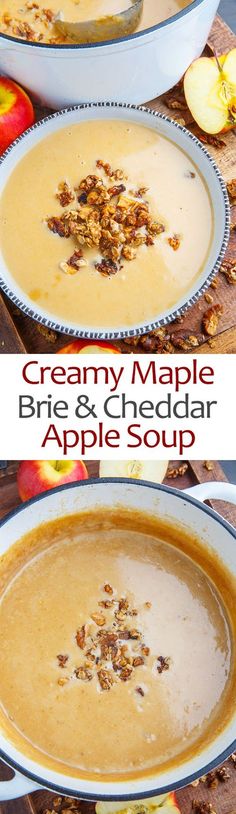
point(18, 786)
point(213, 490)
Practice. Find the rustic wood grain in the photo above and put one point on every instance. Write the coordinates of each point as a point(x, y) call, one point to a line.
point(30, 336)
point(223, 343)
point(223, 798)
point(10, 340)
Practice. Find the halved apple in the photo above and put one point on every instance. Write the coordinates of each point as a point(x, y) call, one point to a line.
point(210, 92)
point(140, 470)
point(163, 804)
point(89, 346)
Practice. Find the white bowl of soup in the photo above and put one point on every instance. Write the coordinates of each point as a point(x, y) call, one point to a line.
point(132, 69)
point(121, 222)
point(117, 609)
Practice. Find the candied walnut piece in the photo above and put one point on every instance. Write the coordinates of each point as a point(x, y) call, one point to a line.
point(81, 637)
point(129, 253)
point(77, 260)
point(98, 618)
point(89, 182)
point(208, 465)
point(25, 31)
point(140, 691)
point(65, 194)
point(163, 663)
point(174, 242)
point(176, 104)
point(208, 298)
point(222, 774)
point(116, 190)
point(107, 267)
point(62, 660)
point(138, 661)
point(231, 187)
point(214, 141)
point(175, 472)
point(201, 807)
point(126, 673)
point(211, 319)
point(156, 228)
point(135, 634)
point(145, 650)
point(118, 175)
point(106, 679)
point(106, 603)
point(228, 268)
point(120, 662)
point(58, 227)
point(211, 780)
point(83, 673)
point(108, 589)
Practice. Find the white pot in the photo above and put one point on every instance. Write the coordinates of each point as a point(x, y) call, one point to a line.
point(197, 154)
point(132, 69)
point(181, 508)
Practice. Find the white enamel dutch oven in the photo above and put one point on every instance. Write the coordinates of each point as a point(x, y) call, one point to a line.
point(179, 508)
point(132, 69)
point(196, 153)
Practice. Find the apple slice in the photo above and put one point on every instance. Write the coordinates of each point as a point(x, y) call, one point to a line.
point(87, 346)
point(164, 804)
point(141, 470)
point(210, 92)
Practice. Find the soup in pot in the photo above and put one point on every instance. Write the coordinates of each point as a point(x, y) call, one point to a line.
point(33, 21)
point(140, 645)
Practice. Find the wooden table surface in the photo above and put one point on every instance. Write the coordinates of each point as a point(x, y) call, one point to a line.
point(223, 797)
point(19, 334)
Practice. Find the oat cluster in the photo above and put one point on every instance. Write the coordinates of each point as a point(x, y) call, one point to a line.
point(116, 648)
point(104, 215)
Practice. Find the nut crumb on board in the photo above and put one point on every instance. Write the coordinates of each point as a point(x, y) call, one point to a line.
point(228, 268)
point(231, 187)
point(211, 319)
point(208, 465)
point(177, 471)
point(201, 807)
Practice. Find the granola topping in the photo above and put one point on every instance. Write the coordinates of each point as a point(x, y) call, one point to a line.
point(112, 650)
point(106, 217)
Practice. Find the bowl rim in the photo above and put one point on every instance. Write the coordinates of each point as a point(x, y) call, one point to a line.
point(182, 495)
point(83, 47)
point(115, 334)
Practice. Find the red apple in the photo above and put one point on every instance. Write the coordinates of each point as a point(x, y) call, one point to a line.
point(16, 112)
point(38, 476)
point(87, 346)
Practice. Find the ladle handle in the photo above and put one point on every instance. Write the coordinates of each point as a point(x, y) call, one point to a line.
point(18, 786)
point(213, 490)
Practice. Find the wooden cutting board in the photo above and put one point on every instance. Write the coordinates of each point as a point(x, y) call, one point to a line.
point(222, 798)
point(19, 334)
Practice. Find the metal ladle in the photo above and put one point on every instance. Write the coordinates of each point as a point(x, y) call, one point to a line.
point(109, 27)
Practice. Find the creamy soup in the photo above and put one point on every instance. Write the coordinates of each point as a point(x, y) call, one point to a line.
point(33, 21)
point(156, 201)
point(112, 624)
